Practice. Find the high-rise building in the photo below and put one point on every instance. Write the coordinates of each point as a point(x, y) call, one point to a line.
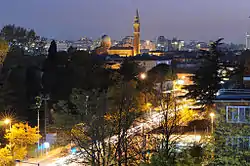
point(127, 41)
point(247, 40)
point(147, 45)
point(136, 26)
point(161, 43)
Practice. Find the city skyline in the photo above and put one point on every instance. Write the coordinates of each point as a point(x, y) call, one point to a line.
point(193, 20)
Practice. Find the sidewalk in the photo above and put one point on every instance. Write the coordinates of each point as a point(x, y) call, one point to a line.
point(50, 154)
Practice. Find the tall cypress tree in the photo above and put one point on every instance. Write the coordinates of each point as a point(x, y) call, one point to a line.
point(209, 77)
point(52, 49)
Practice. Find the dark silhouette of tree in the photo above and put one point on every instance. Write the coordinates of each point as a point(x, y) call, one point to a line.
point(52, 49)
point(49, 69)
point(209, 77)
point(129, 70)
point(13, 33)
point(71, 50)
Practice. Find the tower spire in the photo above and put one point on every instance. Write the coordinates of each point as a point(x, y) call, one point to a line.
point(137, 13)
point(136, 26)
point(137, 18)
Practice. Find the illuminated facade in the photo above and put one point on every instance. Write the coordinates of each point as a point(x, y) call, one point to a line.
point(156, 53)
point(121, 51)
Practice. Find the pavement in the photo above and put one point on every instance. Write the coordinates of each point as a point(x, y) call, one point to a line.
point(45, 160)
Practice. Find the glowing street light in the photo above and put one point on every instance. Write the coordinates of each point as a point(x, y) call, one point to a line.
point(212, 121)
point(143, 76)
point(7, 121)
point(180, 82)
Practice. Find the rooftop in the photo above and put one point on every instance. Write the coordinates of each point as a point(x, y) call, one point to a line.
point(233, 94)
point(121, 48)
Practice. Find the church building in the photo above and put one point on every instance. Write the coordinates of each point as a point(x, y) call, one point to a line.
point(105, 48)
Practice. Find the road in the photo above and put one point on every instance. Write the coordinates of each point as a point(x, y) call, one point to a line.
point(43, 161)
point(146, 123)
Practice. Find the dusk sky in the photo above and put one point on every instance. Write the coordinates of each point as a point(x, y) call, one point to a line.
point(185, 19)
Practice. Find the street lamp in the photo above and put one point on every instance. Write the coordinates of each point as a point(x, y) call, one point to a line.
point(212, 121)
point(143, 76)
point(7, 121)
point(150, 108)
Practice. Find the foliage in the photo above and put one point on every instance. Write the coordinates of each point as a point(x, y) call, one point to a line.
point(187, 115)
point(159, 78)
point(52, 49)
point(103, 112)
point(190, 156)
point(5, 156)
point(174, 114)
point(3, 50)
point(20, 137)
point(209, 77)
point(129, 70)
point(13, 33)
point(229, 145)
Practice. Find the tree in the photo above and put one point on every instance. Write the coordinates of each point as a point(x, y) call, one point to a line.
point(52, 49)
point(209, 77)
point(20, 137)
point(71, 50)
point(191, 156)
point(5, 157)
point(104, 109)
point(13, 33)
point(159, 78)
point(3, 50)
point(173, 113)
point(229, 144)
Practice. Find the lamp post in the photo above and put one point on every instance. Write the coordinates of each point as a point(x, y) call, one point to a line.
point(212, 121)
point(7, 121)
point(143, 76)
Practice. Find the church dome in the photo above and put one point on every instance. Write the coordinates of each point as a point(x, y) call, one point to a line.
point(106, 41)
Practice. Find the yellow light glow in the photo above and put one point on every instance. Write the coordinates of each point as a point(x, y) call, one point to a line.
point(143, 76)
point(212, 114)
point(180, 82)
point(7, 121)
point(149, 104)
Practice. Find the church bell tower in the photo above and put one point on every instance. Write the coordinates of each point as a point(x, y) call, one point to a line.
point(136, 26)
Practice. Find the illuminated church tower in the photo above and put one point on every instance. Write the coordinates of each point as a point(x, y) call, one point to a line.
point(136, 26)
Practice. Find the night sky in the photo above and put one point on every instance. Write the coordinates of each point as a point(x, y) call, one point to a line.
point(185, 19)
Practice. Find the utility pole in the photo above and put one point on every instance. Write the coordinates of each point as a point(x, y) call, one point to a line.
point(39, 101)
point(38, 105)
point(38, 129)
point(86, 110)
point(45, 99)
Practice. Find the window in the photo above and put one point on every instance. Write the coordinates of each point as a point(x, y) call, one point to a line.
point(238, 114)
point(239, 142)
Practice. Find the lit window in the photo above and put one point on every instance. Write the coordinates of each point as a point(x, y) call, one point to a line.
point(238, 114)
